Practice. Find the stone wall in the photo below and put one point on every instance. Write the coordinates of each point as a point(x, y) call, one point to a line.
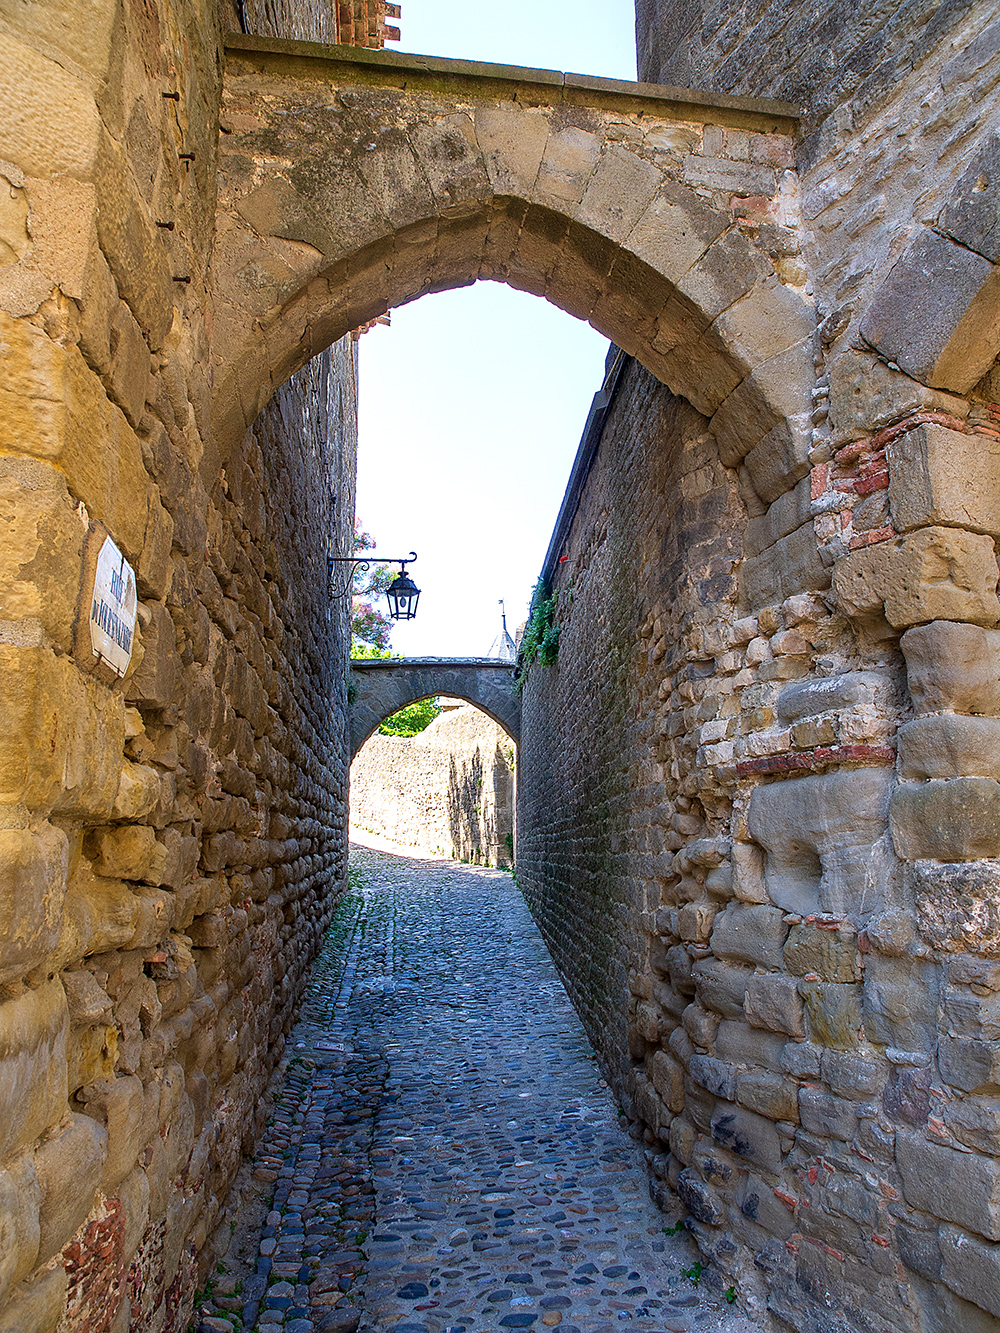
point(777, 826)
point(171, 845)
point(448, 791)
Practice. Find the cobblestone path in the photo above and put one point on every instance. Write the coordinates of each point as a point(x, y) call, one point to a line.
point(444, 1154)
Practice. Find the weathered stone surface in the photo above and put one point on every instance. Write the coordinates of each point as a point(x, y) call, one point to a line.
point(973, 1196)
point(118, 1105)
point(69, 1168)
point(38, 1304)
point(958, 905)
point(33, 866)
point(934, 573)
point(901, 998)
point(19, 1199)
point(773, 1003)
point(834, 1012)
point(747, 1134)
point(938, 475)
point(949, 746)
point(954, 667)
point(806, 698)
point(750, 934)
point(829, 949)
point(956, 820)
point(971, 1268)
point(33, 1060)
point(932, 315)
point(969, 1064)
point(970, 215)
point(819, 832)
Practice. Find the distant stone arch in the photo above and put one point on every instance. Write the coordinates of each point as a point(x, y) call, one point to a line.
point(383, 686)
point(351, 182)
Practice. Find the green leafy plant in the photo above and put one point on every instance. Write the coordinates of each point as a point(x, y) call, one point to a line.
point(693, 1274)
point(412, 719)
point(675, 1229)
point(540, 641)
point(731, 1295)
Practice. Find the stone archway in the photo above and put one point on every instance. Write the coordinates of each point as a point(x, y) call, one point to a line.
point(351, 182)
point(384, 686)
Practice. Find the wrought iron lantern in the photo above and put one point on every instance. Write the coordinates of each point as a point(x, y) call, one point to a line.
point(402, 593)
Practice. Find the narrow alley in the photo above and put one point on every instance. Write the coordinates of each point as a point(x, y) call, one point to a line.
point(444, 1156)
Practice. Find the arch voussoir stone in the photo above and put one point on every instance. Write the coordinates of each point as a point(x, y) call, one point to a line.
point(353, 181)
point(382, 686)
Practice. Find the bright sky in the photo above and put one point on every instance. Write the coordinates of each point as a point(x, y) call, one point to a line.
point(473, 401)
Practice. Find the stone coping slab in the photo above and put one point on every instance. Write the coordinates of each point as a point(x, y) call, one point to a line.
point(401, 69)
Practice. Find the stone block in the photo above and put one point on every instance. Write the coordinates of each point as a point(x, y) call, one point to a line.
point(790, 565)
point(750, 934)
point(834, 1013)
point(757, 1203)
point(50, 120)
point(41, 544)
point(740, 1044)
point(38, 1305)
point(53, 407)
point(138, 791)
point(973, 207)
point(130, 366)
point(827, 1116)
point(975, 1122)
point(865, 395)
point(512, 139)
point(970, 1015)
point(773, 1003)
point(76, 772)
point(33, 1074)
point(956, 820)
point(971, 1267)
point(769, 1095)
point(621, 188)
point(856, 1077)
point(933, 314)
point(721, 986)
point(125, 852)
point(943, 476)
point(958, 904)
point(972, 1196)
point(19, 1200)
point(675, 231)
point(970, 1065)
point(751, 1136)
point(830, 950)
point(33, 866)
point(829, 694)
point(68, 1167)
point(819, 832)
point(667, 1077)
point(740, 178)
point(156, 680)
point(98, 915)
point(953, 667)
point(901, 997)
point(949, 746)
point(701, 1201)
point(726, 272)
point(714, 1075)
point(118, 1105)
point(934, 573)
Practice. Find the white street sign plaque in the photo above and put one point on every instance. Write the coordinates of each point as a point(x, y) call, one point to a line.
point(112, 608)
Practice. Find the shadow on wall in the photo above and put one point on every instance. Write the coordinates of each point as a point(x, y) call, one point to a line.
point(448, 791)
point(480, 807)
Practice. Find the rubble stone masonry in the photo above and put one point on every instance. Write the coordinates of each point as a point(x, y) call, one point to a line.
point(448, 791)
point(765, 850)
point(759, 793)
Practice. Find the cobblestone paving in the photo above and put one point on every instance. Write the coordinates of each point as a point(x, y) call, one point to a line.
point(445, 1155)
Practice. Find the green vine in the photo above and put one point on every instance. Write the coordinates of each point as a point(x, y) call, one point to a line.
point(540, 642)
